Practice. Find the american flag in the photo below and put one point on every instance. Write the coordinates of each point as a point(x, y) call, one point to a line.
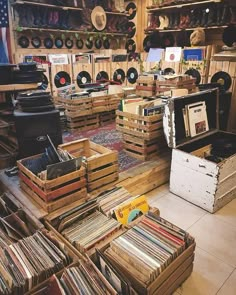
point(5, 52)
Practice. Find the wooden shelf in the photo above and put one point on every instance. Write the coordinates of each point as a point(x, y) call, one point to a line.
point(19, 2)
point(181, 5)
point(18, 87)
point(70, 31)
point(187, 29)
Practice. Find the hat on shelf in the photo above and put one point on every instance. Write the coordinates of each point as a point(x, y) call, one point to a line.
point(99, 18)
point(197, 37)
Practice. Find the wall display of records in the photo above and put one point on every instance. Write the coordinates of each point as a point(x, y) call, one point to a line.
point(102, 76)
point(118, 72)
point(46, 84)
point(195, 74)
point(119, 76)
point(61, 76)
point(175, 66)
point(133, 71)
point(82, 74)
point(131, 10)
point(223, 78)
point(101, 70)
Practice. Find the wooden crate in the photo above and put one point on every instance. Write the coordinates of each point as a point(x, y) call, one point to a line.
point(83, 123)
point(107, 117)
point(178, 83)
point(143, 149)
point(146, 87)
point(100, 103)
point(69, 186)
point(76, 107)
point(101, 164)
point(145, 127)
point(114, 101)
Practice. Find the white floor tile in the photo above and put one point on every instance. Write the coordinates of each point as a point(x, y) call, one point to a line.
point(229, 287)
point(178, 211)
point(157, 193)
point(216, 237)
point(209, 274)
point(228, 213)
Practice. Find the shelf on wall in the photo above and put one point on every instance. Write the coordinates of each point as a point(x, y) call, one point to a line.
point(18, 87)
point(19, 2)
point(187, 29)
point(181, 5)
point(102, 33)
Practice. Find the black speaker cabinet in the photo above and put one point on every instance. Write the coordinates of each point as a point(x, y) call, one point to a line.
point(32, 130)
point(224, 109)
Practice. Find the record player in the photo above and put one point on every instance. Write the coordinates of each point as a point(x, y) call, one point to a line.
point(203, 165)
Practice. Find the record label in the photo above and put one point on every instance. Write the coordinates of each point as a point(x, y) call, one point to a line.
point(222, 78)
point(62, 79)
point(83, 78)
point(132, 75)
point(102, 76)
point(131, 9)
point(119, 76)
point(195, 74)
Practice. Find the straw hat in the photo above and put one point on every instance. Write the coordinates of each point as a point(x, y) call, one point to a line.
point(99, 18)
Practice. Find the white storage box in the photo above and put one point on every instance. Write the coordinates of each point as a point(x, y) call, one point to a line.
point(203, 167)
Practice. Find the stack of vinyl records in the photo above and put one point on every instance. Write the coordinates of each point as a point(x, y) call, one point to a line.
point(35, 101)
point(28, 73)
point(29, 262)
point(148, 248)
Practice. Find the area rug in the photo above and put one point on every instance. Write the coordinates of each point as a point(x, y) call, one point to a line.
point(109, 137)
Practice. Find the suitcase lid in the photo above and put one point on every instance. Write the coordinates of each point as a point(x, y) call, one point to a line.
point(173, 118)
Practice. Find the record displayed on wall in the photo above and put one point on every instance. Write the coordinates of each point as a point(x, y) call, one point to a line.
point(106, 44)
point(168, 71)
point(44, 84)
point(59, 42)
point(83, 78)
point(102, 76)
point(23, 41)
point(132, 75)
point(89, 43)
point(48, 43)
point(79, 43)
point(119, 76)
point(131, 9)
point(130, 46)
point(98, 43)
point(36, 42)
point(147, 44)
point(195, 74)
point(62, 79)
point(222, 78)
point(69, 43)
point(131, 29)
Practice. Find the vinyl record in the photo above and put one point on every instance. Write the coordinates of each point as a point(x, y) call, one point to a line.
point(132, 75)
point(168, 71)
point(119, 76)
point(106, 44)
point(59, 42)
point(131, 29)
point(44, 84)
point(195, 74)
point(98, 43)
point(83, 78)
point(102, 76)
point(131, 9)
point(62, 79)
point(89, 43)
point(36, 42)
point(48, 43)
point(222, 78)
point(69, 43)
point(146, 44)
point(23, 42)
point(79, 43)
point(130, 46)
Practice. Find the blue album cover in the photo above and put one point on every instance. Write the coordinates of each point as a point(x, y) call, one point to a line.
point(196, 54)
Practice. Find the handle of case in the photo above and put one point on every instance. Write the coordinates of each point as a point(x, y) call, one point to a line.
point(202, 166)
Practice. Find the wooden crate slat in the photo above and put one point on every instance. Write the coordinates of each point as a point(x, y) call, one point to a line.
point(101, 173)
point(103, 181)
point(127, 115)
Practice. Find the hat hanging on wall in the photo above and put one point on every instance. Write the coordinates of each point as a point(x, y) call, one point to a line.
point(167, 40)
point(48, 43)
point(99, 18)
point(197, 37)
point(229, 35)
point(23, 41)
point(79, 43)
point(59, 42)
point(36, 42)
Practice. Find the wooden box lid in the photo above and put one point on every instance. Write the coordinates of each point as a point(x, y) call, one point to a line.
point(173, 119)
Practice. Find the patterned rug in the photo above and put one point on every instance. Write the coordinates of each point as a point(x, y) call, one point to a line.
point(108, 137)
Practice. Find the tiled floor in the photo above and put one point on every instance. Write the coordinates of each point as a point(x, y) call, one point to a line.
point(215, 255)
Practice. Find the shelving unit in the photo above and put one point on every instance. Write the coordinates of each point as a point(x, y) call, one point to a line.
point(187, 29)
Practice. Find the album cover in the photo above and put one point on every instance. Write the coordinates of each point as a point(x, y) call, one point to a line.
point(197, 117)
point(131, 209)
